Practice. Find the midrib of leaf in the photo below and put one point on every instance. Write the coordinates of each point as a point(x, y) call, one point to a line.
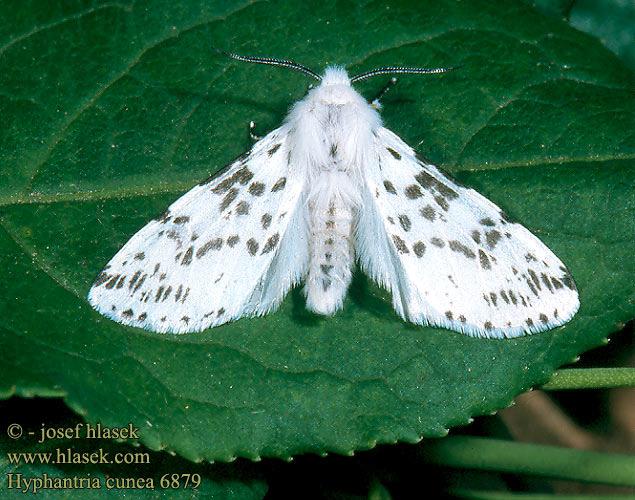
point(180, 186)
point(29, 196)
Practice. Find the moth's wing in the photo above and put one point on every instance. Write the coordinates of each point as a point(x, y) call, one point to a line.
point(451, 257)
point(230, 247)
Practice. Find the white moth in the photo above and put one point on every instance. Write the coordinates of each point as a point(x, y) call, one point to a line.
point(332, 186)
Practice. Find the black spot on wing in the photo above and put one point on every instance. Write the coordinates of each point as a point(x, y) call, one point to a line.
point(103, 277)
point(242, 176)
point(437, 242)
point(534, 278)
point(394, 153)
point(280, 184)
point(557, 284)
point(390, 187)
point(405, 222)
point(413, 192)
point(213, 244)
point(181, 219)
point(428, 212)
point(567, 279)
point(484, 260)
point(271, 243)
point(265, 220)
point(442, 202)
point(431, 183)
point(400, 244)
point(457, 246)
point(242, 208)
point(187, 258)
point(419, 248)
point(492, 237)
point(232, 240)
point(112, 282)
point(532, 287)
point(252, 246)
point(228, 199)
point(256, 188)
point(138, 284)
point(547, 282)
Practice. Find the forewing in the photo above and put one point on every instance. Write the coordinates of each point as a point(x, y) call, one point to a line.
point(215, 254)
point(451, 257)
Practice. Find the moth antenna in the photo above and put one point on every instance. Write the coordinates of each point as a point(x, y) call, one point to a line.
point(273, 62)
point(392, 70)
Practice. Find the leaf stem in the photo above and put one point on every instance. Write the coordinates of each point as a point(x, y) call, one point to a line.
point(591, 378)
point(507, 495)
point(539, 460)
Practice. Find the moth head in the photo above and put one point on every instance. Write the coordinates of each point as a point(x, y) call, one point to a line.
point(335, 87)
point(336, 75)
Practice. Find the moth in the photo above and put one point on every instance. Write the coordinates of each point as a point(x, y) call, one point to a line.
point(330, 187)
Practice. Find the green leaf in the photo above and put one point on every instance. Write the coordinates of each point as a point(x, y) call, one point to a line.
point(115, 109)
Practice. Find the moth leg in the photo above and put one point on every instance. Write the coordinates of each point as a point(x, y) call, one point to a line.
point(375, 103)
point(252, 135)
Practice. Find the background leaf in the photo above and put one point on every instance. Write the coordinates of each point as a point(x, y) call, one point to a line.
point(114, 109)
point(611, 21)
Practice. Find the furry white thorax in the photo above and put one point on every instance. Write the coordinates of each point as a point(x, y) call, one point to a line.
point(331, 132)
